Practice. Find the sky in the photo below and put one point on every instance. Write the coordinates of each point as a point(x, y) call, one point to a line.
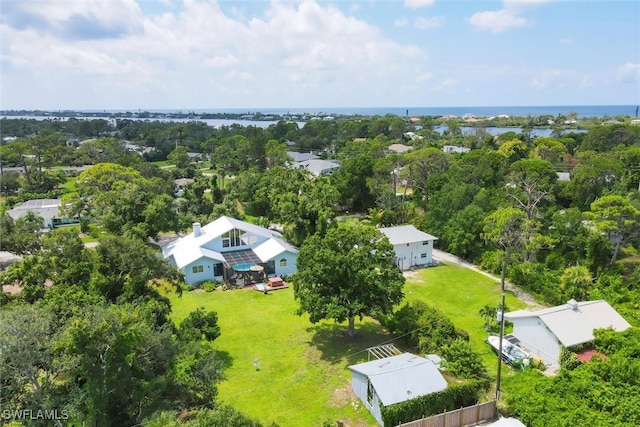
point(208, 54)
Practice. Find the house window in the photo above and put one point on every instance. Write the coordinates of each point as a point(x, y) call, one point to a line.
point(369, 393)
point(283, 262)
point(423, 255)
point(197, 269)
point(217, 270)
point(233, 238)
point(425, 243)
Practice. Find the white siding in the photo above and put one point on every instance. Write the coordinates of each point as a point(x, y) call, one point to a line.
point(359, 384)
point(535, 337)
point(411, 254)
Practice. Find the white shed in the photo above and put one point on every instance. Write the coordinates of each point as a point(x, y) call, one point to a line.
point(545, 332)
point(393, 380)
point(412, 246)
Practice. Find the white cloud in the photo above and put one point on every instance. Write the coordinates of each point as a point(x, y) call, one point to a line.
point(414, 4)
point(507, 17)
point(548, 78)
point(566, 40)
point(424, 23)
point(401, 22)
point(496, 21)
point(424, 77)
point(629, 73)
point(292, 54)
point(75, 19)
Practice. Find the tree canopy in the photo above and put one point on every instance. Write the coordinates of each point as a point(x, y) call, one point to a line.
point(348, 272)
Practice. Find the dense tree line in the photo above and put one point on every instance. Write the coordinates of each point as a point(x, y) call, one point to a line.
point(90, 335)
point(575, 238)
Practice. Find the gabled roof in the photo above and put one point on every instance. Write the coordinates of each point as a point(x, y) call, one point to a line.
point(316, 166)
point(46, 208)
point(273, 247)
point(400, 148)
point(301, 157)
point(189, 248)
point(402, 234)
point(403, 377)
point(186, 256)
point(574, 323)
point(223, 224)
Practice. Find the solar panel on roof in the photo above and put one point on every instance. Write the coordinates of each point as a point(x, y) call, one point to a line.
point(241, 257)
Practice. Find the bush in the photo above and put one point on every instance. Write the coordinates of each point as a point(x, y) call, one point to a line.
point(463, 361)
point(568, 360)
point(186, 287)
point(209, 285)
point(424, 328)
point(457, 395)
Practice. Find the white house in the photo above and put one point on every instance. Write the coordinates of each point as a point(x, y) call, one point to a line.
point(455, 149)
point(318, 167)
point(545, 332)
point(227, 245)
point(412, 246)
point(394, 379)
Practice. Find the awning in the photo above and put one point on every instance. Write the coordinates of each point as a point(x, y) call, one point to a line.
point(241, 260)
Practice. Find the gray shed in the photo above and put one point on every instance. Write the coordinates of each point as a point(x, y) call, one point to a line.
point(395, 379)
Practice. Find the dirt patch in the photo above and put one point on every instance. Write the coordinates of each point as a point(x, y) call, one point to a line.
point(342, 397)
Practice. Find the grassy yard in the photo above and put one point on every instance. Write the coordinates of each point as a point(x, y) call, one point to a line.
point(460, 293)
point(302, 376)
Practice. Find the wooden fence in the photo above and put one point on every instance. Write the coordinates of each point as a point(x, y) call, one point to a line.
point(460, 417)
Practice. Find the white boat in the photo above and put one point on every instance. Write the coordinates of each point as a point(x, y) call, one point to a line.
point(511, 353)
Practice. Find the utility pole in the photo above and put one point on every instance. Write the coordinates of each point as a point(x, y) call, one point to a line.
point(501, 320)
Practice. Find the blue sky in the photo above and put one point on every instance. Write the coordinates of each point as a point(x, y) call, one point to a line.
point(199, 54)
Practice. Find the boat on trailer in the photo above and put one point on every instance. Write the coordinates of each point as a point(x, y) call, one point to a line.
point(511, 353)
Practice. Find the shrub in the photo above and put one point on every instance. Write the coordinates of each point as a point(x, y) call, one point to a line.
point(568, 360)
point(455, 396)
point(463, 361)
point(209, 285)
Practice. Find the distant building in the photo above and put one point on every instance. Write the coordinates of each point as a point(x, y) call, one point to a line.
point(318, 167)
point(455, 149)
point(301, 157)
point(48, 209)
point(400, 148)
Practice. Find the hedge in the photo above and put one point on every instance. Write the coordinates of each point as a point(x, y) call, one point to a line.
point(456, 396)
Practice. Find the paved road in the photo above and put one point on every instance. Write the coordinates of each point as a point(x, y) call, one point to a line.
point(452, 259)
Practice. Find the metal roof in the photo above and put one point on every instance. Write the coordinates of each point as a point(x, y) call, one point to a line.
point(403, 377)
point(46, 208)
point(189, 248)
point(301, 157)
point(574, 323)
point(402, 234)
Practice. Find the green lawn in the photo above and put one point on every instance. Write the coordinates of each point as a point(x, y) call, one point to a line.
point(302, 376)
point(460, 293)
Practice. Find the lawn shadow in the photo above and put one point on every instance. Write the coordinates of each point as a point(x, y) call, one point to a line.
point(334, 343)
point(225, 358)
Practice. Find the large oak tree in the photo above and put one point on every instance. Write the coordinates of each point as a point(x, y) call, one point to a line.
point(347, 273)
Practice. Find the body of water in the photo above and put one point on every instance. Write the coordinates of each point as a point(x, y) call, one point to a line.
point(478, 111)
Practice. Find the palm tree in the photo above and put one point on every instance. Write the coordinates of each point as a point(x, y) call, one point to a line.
point(488, 313)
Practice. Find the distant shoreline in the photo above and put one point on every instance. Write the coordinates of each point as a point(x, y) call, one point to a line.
point(580, 111)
